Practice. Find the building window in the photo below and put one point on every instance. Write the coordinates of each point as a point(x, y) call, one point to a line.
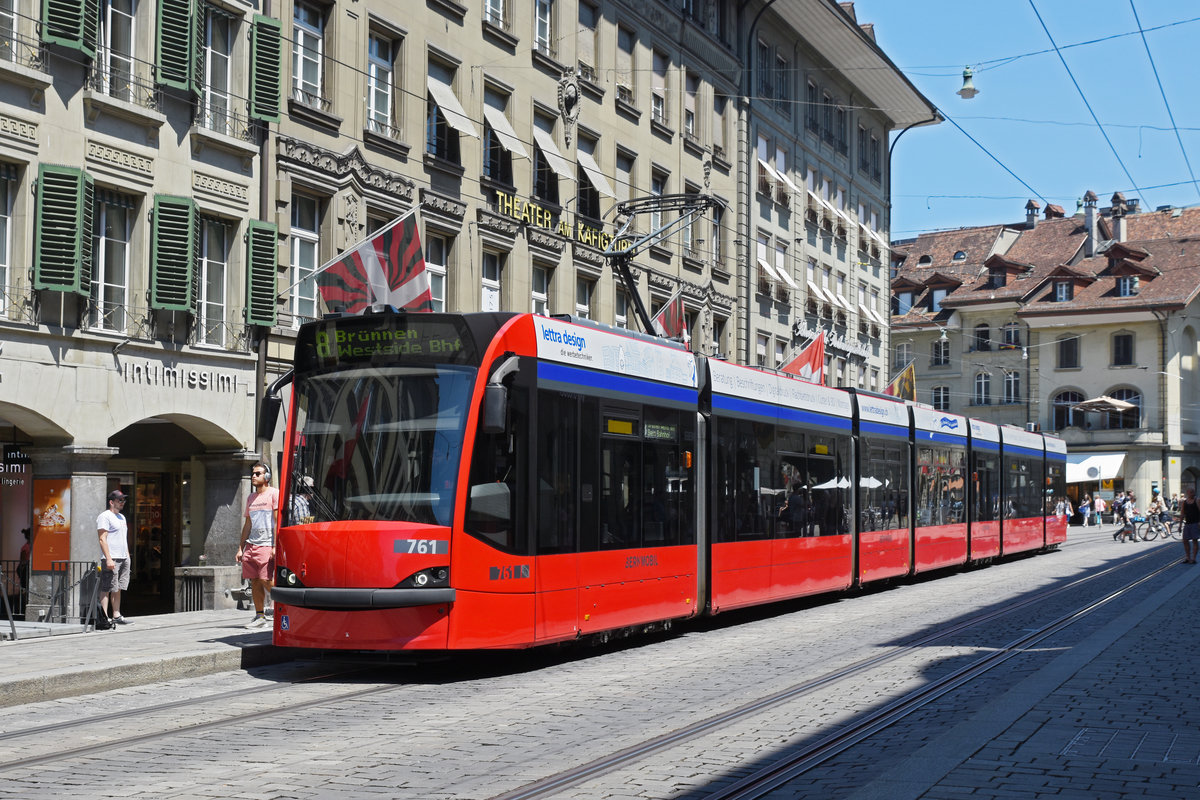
point(497, 160)
point(1012, 335)
point(940, 398)
point(658, 187)
point(215, 112)
point(1064, 411)
point(585, 41)
point(381, 60)
point(1129, 419)
point(983, 389)
point(583, 297)
point(760, 349)
point(827, 117)
point(765, 88)
point(541, 290)
point(493, 266)
point(8, 29)
point(494, 13)
point(587, 195)
point(935, 299)
point(621, 310)
point(982, 339)
point(941, 353)
point(904, 356)
point(114, 53)
point(543, 27)
point(7, 192)
point(548, 163)
point(1064, 291)
point(625, 66)
point(876, 161)
point(717, 243)
point(437, 254)
point(783, 86)
point(1012, 386)
point(718, 127)
point(214, 259)
point(445, 117)
point(780, 353)
point(113, 221)
point(996, 278)
point(306, 243)
point(1127, 285)
point(1122, 349)
point(841, 133)
point(904, 301)
point(1068, 352)
point(811, 107)
point(691, 84)
point(658, 88)
point(308, 54)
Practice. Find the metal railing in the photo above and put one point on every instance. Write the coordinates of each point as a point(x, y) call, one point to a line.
point(67, 592)
point(19, 41)
point(231, 119)
point(125, 78)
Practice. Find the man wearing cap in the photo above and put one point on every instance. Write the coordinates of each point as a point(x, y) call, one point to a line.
point(114, 547)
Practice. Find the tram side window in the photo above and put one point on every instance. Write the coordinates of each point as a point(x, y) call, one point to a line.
point(940, 488)
point(883, 487)
point(755, 485)
point(794, 498)
point(495, 505)
point(1056, 487)
point(1023, 489)
point(985, 483)
point(620, 483)
point(667, 493)
point(829, 476)
point(724, 512)
point(557, 472)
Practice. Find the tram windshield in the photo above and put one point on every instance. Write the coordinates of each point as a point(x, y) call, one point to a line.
point(379, 443)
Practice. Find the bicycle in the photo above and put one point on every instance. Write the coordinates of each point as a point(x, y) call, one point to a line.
point(1151, 527)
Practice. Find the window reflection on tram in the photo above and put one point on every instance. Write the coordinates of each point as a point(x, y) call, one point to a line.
point(941, 485)
point(776, 482)
point(883, 487)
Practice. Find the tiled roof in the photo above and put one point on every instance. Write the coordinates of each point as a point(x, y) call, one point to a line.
point(940, 247)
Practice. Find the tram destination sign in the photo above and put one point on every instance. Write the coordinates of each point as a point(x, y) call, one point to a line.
point(424, 338)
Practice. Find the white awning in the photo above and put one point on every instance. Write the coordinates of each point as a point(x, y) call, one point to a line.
point(866, 312)
point(784, 177)
point(843, 302)
point(557, 163)
point(594, 174)
point(783, 273)
point(817, 292)
point(1082, 467)
point(504, 131)
point(767, 268)
point(456, 117)
point(768, 169)
point(820, 201)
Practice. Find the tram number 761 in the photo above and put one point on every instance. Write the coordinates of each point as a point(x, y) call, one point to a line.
point(421, 546)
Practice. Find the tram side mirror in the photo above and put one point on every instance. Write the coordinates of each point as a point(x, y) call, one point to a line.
point(268, 416)
point(495, 408)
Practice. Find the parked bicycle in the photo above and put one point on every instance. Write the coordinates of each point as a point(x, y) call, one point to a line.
point(1170, 527)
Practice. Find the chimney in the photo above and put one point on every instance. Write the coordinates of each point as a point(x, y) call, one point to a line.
point(1090, 223)
point(1119, 210)
point(1031, 213)
point(1055, 212)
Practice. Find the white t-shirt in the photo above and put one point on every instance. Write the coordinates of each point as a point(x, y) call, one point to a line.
point(118, 546)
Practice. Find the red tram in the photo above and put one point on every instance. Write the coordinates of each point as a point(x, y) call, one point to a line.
point(499, 480)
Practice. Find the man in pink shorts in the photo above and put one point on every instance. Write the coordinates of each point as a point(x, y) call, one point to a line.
point(256, 551)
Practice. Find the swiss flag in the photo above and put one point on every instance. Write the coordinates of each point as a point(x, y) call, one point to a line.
point(809, 365)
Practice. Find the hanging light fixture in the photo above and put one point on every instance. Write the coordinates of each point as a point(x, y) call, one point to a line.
point(968, 89)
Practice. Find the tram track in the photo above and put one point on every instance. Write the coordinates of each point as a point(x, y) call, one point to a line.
point(779, 772)
point(134, 717)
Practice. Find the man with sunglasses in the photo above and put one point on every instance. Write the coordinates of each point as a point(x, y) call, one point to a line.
point(256, 551)
point(114, 548)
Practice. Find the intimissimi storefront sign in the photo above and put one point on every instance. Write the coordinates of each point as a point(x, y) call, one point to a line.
point(150, 373)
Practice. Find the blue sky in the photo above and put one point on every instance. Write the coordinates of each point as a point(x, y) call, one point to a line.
point(1028, 113)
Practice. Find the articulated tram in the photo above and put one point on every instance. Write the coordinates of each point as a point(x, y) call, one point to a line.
point(502, 480)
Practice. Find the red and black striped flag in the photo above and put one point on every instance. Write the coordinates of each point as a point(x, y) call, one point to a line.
point(386, 268)
point(671, 321)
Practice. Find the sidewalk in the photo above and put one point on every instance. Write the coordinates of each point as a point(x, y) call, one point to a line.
point(156, 648)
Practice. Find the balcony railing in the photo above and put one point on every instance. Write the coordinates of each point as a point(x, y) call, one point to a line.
point(19, 42)
point(127, 79)
point(231, 117)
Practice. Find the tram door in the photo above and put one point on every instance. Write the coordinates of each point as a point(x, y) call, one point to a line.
point(560, 490)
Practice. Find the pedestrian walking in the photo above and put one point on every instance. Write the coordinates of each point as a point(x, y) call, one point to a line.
point(113, 533)
point(1085, 510)
point(1098, 508)
point(1191, 526)
point(256, 551)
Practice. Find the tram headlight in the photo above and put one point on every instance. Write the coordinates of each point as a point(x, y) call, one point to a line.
point(427, 578)
point(285, 577)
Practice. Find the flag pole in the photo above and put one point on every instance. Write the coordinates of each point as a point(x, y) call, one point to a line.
point(336, 259)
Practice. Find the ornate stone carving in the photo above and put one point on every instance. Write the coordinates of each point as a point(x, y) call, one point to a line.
point(443, 206)
point(340, 167)
point(18, 128)
point(544, 240)
point(213, 185)
point(122, 159)
point(568, 103)
point(350, 204)
point(587, 255)
point(497, 223)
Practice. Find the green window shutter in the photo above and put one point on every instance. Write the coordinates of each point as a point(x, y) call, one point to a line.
point(173, 254)
point(72, 24)
point(62, 257)
point(263, 257)
point(266, 69)
point(177, 44)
